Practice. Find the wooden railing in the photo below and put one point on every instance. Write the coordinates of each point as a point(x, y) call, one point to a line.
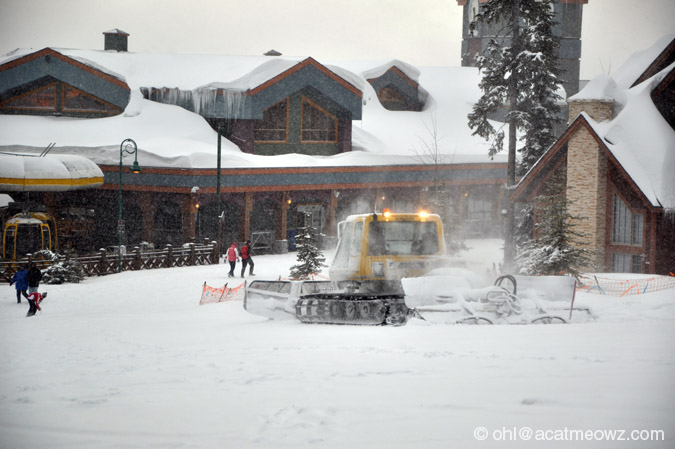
point(106, 262)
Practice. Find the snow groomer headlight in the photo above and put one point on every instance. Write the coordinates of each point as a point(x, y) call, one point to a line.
point(378, 268)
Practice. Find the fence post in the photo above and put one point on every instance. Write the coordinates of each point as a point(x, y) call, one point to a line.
point(169, 255)
point(138, 262)
point(215, 254)
point(102, 264)
point(192, 254)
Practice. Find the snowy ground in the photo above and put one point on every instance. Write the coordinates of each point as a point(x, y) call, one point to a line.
point(132, 361)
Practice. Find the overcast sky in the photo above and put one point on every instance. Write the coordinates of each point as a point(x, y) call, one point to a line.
point(421, 32)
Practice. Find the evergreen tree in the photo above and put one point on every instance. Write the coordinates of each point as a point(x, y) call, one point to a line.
point(558, 247)
point(519, 71)
point(310, 259)
point(62, 269)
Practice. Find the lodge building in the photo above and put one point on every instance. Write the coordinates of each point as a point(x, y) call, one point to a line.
point(277, 110)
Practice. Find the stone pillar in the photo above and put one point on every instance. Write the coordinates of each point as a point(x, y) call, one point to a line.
point(587, 189)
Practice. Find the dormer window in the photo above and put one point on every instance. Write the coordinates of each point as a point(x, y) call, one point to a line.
point(318, 125)
point(42, 99)
point(58, 98)
point(274, 125)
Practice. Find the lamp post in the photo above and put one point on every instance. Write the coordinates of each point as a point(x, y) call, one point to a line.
point(128, 146)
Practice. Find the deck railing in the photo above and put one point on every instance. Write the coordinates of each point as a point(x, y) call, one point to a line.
point(107, 262)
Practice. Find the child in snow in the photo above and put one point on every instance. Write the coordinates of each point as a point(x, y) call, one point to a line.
point(34, 300)
point(21, 282)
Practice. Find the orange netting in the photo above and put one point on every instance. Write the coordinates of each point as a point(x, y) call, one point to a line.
point(622, 287)
point(213, 294)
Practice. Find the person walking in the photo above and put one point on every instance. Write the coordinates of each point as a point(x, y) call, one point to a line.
point(33, 277)
point(34, 300)
point(21, 281)
point(232, 258)
point(245, 254)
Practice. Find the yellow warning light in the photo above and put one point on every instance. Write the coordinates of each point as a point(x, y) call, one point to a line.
point(423, 214)
point(386, 213)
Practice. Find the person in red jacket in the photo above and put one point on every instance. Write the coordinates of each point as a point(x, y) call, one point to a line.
point(245, 254)
point(232, 258)
point(34, 300)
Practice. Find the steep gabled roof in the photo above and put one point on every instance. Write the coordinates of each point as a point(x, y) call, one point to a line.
point(51, 63)
point(663, 60)
point(542, 169)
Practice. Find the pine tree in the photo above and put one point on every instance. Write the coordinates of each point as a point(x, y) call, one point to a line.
point(519, 71)
point(310, 259)
point(62, 269)
point(558, 247)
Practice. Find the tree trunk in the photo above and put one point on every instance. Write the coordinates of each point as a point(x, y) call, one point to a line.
point(509, 249)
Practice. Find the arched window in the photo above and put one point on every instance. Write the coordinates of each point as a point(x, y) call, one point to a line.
point(318, 125)
point(274, 125)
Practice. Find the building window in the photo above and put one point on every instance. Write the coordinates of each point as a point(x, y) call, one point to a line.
point(42, 99)
point(274, 125)
point(317, 124)
point(626, 263)
point(390, 95)
point(75, 100)
point(627, 226)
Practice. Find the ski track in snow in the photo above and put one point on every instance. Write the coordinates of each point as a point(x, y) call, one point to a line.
point(131, 360)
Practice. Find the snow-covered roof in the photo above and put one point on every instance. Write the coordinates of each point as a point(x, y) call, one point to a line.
point(638, 136)
point(169, 136)
point(51, 172)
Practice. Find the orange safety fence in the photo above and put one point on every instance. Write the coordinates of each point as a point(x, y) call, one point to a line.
point(212, 295)
point(622, 287)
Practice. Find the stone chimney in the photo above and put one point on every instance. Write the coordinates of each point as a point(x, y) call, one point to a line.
point(116, 40)
point(597, 99)
point(598, 110)
point(587, 165)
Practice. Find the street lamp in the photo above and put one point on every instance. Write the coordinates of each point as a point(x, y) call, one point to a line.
point(128, 146)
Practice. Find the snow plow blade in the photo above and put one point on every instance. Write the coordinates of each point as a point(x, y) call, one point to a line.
point(323, 302)
point(511, 300)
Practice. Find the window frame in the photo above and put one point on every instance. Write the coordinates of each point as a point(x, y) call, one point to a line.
point(65, 87)
point(327, 114)
point(256, 128)
point(52, 110)
point(632, 230)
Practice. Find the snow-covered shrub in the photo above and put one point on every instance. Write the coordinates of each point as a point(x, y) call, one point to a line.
point(62, 269)
point(310, 258)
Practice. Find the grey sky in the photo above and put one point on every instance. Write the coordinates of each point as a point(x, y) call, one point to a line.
point(421, 32)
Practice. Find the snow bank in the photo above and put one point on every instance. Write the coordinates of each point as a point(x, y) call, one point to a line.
point(131, 360)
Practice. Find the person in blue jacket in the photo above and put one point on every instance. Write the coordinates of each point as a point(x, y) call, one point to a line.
point(21, 281)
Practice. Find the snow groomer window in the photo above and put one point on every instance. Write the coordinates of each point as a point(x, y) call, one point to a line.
point(274, 125)
point(317, 124)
